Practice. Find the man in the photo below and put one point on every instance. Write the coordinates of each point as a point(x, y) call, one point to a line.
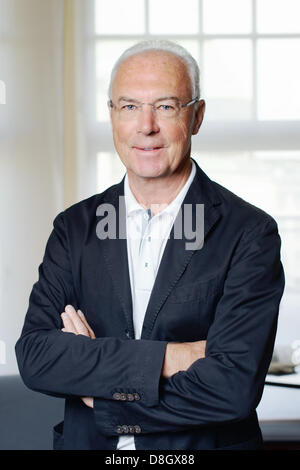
point(154, 344)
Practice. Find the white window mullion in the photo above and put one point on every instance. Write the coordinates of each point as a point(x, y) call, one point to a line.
point(146, 17)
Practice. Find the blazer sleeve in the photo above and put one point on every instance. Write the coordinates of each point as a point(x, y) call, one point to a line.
point(227, 384)
point(64, 364)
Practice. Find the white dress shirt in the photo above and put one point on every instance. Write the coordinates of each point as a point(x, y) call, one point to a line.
point(146, 240)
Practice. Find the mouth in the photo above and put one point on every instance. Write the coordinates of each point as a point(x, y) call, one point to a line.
point(147, 149)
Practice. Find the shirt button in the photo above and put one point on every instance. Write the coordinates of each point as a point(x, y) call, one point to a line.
point(137, 429)
point(119, 429)
point(136, 396)
point(117, 396)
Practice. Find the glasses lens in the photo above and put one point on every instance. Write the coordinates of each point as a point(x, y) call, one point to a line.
point(167, 108)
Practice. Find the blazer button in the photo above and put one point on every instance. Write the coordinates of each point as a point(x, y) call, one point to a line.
point(125, 429)
point(119, 429)
point(136, 396)
point(117, 396)
point(130, 397)
point(123, 396)
point(131, 429)
point(137, 429)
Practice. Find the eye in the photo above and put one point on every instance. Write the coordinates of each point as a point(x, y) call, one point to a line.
point(128, 107)
point(166, 107)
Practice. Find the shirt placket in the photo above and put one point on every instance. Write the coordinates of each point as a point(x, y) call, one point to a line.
point(145, 277)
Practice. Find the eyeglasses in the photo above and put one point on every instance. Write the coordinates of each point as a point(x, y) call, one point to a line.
point(162, 108)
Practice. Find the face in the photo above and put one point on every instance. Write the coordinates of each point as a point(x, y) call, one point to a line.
point(148, 145)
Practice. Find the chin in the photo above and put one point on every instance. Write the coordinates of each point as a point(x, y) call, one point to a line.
point(148, 170)
point(147, 173)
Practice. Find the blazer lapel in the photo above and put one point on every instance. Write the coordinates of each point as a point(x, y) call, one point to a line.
point(176, 255)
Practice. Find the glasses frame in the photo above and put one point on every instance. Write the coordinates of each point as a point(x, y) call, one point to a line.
point(139, 105)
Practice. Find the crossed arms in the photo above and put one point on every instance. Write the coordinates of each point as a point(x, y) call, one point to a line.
point(178, 356)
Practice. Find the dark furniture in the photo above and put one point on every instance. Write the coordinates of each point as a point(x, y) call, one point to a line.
point(26, 417)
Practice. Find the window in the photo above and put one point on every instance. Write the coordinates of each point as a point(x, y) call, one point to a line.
point(248, 52)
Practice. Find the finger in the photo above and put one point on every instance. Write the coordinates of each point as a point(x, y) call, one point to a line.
point(79, 325)
point(68, 324)
point(91, 333)
point(88, 401)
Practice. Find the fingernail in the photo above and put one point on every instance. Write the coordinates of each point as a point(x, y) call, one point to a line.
point(80, 313)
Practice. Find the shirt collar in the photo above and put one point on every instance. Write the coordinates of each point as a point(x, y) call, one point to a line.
point(132, 206)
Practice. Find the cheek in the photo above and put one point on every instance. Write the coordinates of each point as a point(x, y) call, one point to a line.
point(179, 135)
point(121, 135)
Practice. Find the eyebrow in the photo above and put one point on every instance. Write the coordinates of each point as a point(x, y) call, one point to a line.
point(132, 100)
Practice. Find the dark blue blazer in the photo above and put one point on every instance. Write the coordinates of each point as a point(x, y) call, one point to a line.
point(227, 293)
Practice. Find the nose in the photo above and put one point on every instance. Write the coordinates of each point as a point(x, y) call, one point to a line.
point(147, 122)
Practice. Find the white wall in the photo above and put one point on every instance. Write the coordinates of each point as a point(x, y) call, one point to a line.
point(31, 179)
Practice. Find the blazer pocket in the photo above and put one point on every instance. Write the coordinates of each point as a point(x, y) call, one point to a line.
point(195, 291)
point(58, 437)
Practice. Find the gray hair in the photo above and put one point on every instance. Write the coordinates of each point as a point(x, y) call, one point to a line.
point(164, 46)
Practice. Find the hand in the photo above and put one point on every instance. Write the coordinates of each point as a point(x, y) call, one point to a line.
point(75, 322)
point(180, 356)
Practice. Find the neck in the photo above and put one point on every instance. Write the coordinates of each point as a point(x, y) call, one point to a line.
point(157, 193)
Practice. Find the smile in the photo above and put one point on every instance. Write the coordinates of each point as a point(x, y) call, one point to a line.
point(148, 149)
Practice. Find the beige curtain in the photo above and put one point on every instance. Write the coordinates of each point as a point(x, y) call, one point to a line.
point(31, 153)
point(39, 145)
point(70, 103)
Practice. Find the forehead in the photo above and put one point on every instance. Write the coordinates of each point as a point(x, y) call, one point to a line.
point(152, 74)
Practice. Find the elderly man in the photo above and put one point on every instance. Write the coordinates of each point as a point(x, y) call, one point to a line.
point(153, 343)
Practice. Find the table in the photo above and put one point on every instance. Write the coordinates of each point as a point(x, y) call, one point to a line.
point(285, 380)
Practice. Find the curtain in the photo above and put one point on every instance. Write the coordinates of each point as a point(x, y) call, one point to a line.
point(31, 152)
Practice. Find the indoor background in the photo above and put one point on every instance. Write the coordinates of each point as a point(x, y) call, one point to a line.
point(55, 137)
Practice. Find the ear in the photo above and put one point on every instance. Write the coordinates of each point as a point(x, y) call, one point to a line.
point(199, 115)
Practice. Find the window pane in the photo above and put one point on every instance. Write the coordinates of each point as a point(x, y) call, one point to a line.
point(119, 16)
point(278, 16)
point(270, 182)
point(227, 78)
point(107, 53)
point(227, 16)
point(173, 17)
point(278, 79)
